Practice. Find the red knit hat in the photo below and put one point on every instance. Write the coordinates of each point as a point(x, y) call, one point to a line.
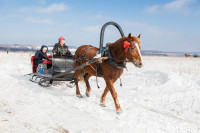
point(61, 38)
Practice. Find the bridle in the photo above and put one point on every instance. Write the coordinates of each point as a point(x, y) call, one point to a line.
point(114, 62)
point(132, 60)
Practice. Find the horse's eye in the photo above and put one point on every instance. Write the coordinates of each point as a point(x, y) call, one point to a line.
point(132, 48)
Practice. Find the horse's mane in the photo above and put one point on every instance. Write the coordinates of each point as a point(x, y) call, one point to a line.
point(121, 41)
point(117, 48)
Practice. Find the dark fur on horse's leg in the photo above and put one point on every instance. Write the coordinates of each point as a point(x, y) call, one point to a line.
point(110, 85)
point(103, 97)
point(78, 94)
point(88, 89)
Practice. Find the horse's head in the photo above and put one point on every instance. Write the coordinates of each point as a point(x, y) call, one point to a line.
point(132, 50)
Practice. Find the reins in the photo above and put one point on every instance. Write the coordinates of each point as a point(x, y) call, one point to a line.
point(113, 61)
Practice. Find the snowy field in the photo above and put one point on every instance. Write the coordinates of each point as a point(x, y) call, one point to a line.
point(161, 97)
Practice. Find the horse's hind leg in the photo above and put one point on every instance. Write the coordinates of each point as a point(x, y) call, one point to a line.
point(88, 89)
point(78, 94)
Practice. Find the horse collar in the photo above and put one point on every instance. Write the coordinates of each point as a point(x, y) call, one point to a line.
point(111, 60)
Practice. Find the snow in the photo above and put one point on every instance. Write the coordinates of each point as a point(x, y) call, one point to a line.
point(161, 97)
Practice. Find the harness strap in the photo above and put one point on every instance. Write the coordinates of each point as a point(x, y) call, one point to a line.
point(98, 68)
point(130, 56)
point(83, 54)
point(112, 61)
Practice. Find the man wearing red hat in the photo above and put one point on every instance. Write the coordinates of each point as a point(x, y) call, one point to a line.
point(60, 48)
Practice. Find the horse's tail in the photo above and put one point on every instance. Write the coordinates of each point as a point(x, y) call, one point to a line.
point(81, 76)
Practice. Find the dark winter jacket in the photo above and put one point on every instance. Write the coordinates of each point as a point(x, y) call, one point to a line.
point(39, 55)
point(61, 50)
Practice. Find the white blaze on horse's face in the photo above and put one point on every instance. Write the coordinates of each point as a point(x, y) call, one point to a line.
point(139, 51)
point(136, 54)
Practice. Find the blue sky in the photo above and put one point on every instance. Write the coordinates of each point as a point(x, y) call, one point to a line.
point(167, 25)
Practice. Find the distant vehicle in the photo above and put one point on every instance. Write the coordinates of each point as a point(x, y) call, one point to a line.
point(191, 55)
point(195, 55)
point(188, 55)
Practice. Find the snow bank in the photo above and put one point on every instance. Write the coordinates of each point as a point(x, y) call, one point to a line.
point(161, 97)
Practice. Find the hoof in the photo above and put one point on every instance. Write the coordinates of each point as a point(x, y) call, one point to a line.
point(119, 111)
point(87, 94)
point(79, 96)
point(102, 104)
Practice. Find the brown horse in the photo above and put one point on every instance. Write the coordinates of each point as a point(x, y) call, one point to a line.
point(120, 52)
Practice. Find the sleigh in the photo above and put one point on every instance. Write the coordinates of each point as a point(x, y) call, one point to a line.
point(105, 62)
point(62, 68)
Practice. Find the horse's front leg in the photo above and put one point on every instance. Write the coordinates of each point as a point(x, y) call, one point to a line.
point(110, 85)
point(103, 97)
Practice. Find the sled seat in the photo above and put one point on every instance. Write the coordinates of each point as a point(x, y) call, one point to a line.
point(34, 67)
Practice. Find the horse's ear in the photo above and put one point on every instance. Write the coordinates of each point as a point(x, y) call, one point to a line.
point(129, 35)
point(139, 35)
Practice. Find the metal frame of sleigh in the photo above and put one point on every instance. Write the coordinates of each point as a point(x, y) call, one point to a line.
point(62, 68)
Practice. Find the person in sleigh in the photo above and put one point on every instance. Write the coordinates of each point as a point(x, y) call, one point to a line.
point(41, 55)
point(60, 49)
